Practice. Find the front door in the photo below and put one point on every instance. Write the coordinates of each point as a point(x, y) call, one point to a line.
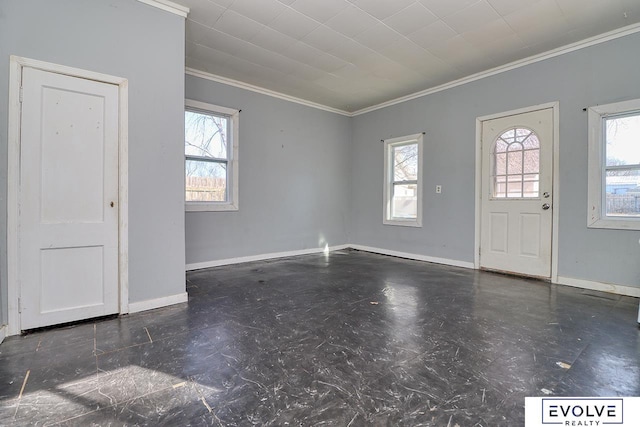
point(516, 198)
point(68, 195)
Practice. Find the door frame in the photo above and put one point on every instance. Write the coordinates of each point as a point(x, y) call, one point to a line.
point(555, 106)
point(16, 64)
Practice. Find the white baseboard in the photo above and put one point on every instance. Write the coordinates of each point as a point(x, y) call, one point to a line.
point(600, 286)
point(3, 333)
point(150, 304)
point(261, 257)
point(568, 281)
point(436, 260)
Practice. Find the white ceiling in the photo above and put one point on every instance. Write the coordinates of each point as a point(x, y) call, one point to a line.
point(353, 54)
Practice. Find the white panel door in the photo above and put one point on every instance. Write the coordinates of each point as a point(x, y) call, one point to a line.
point(68, 221)
point(517, 200)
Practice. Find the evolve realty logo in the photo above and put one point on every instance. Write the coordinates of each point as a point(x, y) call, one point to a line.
point(582, 411)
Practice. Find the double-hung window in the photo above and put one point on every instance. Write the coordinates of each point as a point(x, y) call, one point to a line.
point(403, 176)
point(211, 157)
point(614, 166)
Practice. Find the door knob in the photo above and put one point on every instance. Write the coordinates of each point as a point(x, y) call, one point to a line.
point(111, 204)
point(546, 206)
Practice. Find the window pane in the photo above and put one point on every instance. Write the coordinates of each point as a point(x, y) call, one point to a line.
point(522, 134)
point(531, 185)
point(516, 146)
point(205, 181)
point(623, 140)
point(500, 186)
point(531, 142)
point(405, 201)
point(501, 146)
point(509, 136)
point(514, 159)
point(532, 161)
point(205, 135)
point(623, 193)
point(405, 162)
point(514, 186)
point(501, 164)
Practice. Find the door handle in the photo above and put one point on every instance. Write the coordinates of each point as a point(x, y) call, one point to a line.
point(546, 206)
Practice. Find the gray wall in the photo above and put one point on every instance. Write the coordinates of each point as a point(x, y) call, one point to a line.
point(309, 177)
point(596, 75)
point(128, 39)
point(294, 179)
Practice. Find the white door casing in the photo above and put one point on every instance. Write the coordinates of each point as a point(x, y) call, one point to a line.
point(516, 233)
point(67, 243)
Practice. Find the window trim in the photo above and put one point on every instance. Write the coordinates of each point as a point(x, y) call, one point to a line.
point(232, 162)
point(596, 216)
point(389, 144)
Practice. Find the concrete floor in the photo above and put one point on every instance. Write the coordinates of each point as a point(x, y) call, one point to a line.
point(348, 339)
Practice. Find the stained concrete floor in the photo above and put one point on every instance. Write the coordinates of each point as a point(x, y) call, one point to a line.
point(348, 339)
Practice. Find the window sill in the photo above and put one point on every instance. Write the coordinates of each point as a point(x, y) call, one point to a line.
point(403, 223)
point(616, 223)
point(210, 207)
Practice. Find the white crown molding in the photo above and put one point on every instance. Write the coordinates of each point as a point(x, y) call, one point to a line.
point(601, 38)
point(242, 85)
point(168, 6)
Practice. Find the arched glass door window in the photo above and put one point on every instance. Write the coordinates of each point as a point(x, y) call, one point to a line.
point(516, 164)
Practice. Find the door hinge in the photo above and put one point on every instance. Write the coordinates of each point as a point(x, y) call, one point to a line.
point(21, 95)
point(19, 305)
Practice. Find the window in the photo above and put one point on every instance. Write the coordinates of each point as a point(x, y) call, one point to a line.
point(516, 164)
point(211, 157)
point(402, 189)
point(614, 166)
